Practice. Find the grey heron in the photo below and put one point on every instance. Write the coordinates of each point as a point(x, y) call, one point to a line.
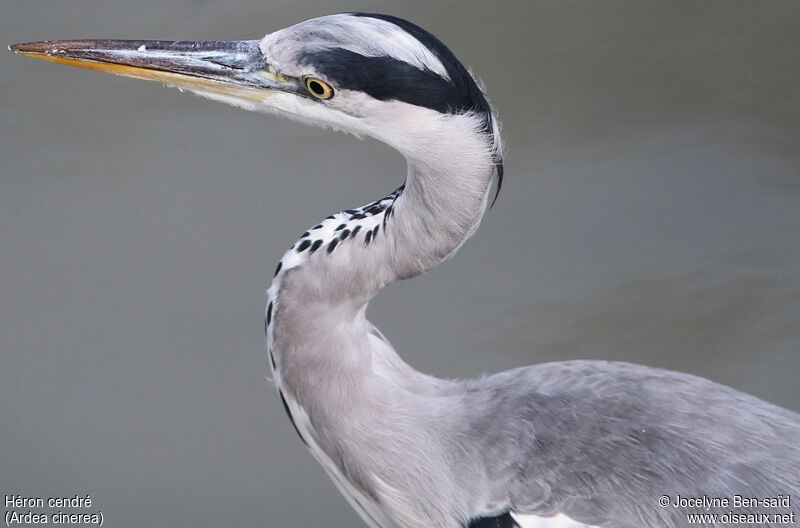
point(581, 443)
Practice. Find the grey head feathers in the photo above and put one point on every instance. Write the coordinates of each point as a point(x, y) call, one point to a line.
point(388, 59)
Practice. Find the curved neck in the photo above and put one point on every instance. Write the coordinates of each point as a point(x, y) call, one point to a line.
point(348, 257)
point(438, 211)
point(330, 365)
point(315, 312)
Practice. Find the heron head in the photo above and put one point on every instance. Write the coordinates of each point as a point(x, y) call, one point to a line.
point(366, 74)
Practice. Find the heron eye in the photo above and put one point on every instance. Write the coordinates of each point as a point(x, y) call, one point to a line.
point(319, 89)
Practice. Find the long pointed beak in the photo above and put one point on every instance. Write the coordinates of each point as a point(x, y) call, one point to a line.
point(234, 68)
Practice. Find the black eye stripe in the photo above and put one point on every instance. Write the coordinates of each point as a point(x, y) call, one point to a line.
point(386, 78)
point(409, 84)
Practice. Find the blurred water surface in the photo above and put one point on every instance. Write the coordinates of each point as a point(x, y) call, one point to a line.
point(651, 213)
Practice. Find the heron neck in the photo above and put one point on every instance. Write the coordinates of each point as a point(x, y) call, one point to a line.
point(315, 312)
point(439, 209)
point(347, 258)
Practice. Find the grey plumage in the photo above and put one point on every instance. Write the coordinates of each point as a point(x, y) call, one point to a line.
point(579, 443)
point(601, 441)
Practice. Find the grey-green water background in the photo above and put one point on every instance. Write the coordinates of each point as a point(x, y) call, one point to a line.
point(651, 213)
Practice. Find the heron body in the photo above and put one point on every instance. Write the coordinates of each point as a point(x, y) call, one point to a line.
point(578, 443)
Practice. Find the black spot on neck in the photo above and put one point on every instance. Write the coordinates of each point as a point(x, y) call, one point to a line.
point(291, 418)
point(501, 521)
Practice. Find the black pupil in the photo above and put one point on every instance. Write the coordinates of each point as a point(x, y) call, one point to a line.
point(316, 87)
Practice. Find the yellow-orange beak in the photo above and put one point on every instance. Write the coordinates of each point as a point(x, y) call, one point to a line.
point(231, 68)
